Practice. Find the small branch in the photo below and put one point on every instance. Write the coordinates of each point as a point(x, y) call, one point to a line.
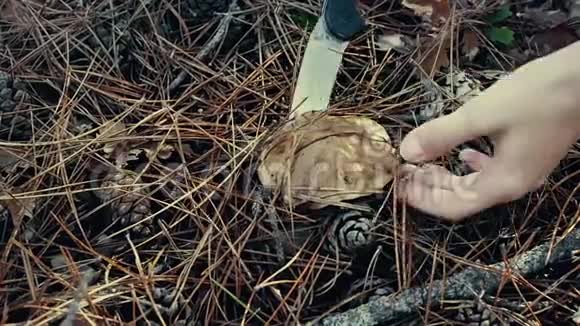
point(75, 305)
point(210, 46)
point(463, 285)
point(273, 219)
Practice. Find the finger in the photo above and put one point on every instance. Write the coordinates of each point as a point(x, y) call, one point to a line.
point(474, 159)
point(436, 176)
point(521, 161)
point(433, 176)
point(436, 191)
point(484, 114)
point(407, 169)
point(437, 137)
point(443, 202)
point(527, 159)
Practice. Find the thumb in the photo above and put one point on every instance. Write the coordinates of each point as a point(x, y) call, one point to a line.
point(437, 137)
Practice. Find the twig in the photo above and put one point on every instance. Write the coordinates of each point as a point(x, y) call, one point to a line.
point(463, 285)
point(219, 35)
point(74, 307)
point(273, 219)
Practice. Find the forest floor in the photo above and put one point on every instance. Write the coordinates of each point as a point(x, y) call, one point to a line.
point(130, 134)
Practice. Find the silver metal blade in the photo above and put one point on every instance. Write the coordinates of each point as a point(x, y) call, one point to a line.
point(318, 71)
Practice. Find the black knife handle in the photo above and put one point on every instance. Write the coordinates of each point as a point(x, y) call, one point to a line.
point(342, 18)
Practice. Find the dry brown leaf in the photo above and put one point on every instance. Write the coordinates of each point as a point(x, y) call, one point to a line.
point(328, 159)
point(116, 129)
point(471, 44)
point(115, 147)
point(434, 53)
point(162, 151)
point(126, 150)
point(543, 17)
point(113, 129)
point(19, 208)
point(435, 11)
point(10, 158)
point(552, 40)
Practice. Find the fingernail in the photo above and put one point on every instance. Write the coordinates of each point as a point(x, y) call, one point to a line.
point(466, 154)
point(412, 151)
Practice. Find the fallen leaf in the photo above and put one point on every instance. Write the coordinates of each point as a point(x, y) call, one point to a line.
point(471, 44)
point(542, 18)
point(115, 147)
point(116, 129)
point(552, 40)
point(10, 158)
point(319, 159)
point(499, 16)
point(132, 154)
point(435, 11)
point(457, 86)
point(433, 53)
point(162, 151)
point(81, 125)
point(461, 86)
point(19, 208)
point(394, 41)
point(502, 35)
point(435, 103)
point(113, 129)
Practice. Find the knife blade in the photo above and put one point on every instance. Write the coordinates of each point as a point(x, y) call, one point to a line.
point(339, 23)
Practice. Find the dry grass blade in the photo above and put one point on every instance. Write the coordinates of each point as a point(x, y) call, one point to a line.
point(107, 171)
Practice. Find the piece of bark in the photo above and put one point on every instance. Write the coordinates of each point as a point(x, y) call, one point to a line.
point(464, 285)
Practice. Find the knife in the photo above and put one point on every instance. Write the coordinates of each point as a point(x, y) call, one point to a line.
point(339, 23)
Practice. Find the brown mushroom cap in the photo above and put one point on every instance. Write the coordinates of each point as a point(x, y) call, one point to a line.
point(319, 159)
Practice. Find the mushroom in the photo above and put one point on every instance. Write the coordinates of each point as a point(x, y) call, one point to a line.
point(318, 159)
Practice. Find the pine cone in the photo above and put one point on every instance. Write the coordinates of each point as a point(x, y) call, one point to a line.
point(15, 122)
point(349, 231)
point(113, 34)
point(128, 201)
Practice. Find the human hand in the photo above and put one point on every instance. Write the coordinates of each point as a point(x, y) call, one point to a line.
point(533, 118)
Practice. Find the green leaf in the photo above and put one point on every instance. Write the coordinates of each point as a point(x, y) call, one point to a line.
point(502, 35)
point(304, 20)
point(499, 16)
